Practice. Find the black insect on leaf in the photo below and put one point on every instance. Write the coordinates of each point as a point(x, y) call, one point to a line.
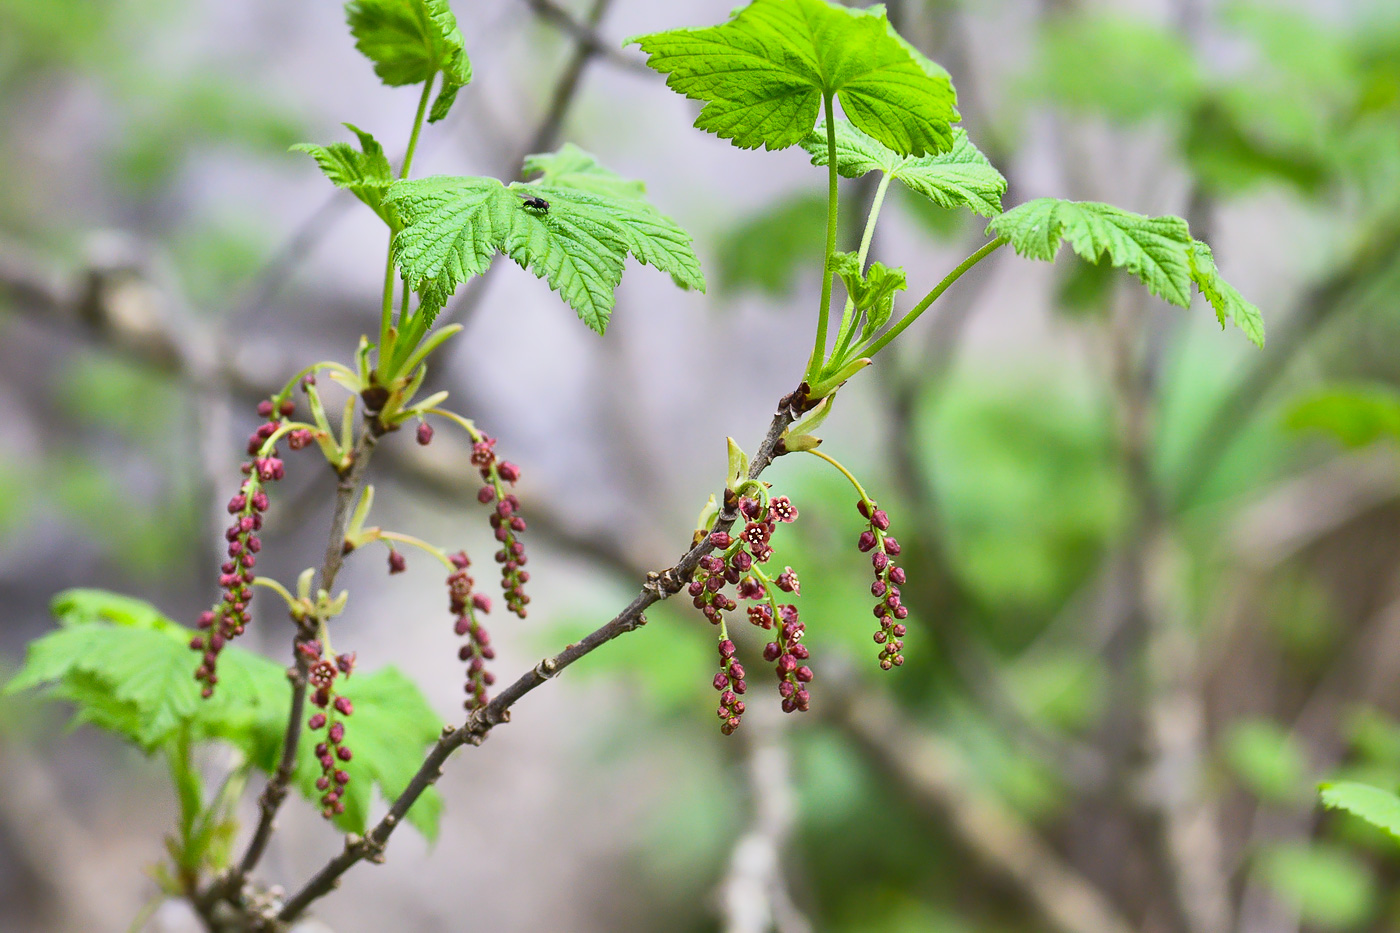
point(537, 204)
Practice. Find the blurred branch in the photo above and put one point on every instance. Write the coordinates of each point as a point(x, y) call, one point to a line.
point(753, 895)
point(585, 33)
point(1176, 718)
point(931, 772)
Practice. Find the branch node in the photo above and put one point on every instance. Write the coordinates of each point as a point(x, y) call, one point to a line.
point(548, 667)
point(448, 730)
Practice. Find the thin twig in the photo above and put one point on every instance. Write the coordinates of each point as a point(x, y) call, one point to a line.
point(479, 724)
point(275, 791)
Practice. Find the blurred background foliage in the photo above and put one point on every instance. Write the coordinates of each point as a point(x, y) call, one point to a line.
point(1155, 574)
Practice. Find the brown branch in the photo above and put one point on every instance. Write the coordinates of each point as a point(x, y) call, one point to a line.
point(658, 586)
point(275, 791)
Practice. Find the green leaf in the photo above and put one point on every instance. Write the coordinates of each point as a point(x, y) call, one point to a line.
point(1380, 808)
point(411, 41)
point(1155, 249)
point(1266, 759)
point(961, 177)
point(84, 606)
point(129, 670)
point(1329, 886)
point(1224, 297)
point(1159, 251)
point(872, 291)
point(366, 172)
point(145, 668)
point(572, 167)
point(1356, 416)
point(390, 730)
point(764, 74)
point(453, 228)
point(765, 251)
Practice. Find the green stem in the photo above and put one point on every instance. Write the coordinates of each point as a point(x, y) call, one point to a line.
point(277, 588)
point(849, 320)
point(419, 543)
point(314, 367)
point(860, 490)
point(417, 125)
point(386, 313)
point(814, 364)
point(876, 346)
point(386, 310)
point(869, 234)
point(465, 424)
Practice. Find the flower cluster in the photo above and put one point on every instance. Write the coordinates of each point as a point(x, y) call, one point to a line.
point(730, 681)
point(889, 577)
point(505, 520)
point(736, 563)
point(477, 651)
point(331, 708)
point(786, 653)
point(228, 619)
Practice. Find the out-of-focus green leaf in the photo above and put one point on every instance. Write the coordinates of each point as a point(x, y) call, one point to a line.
point(765, 251)
point(1354, 415)
point(391, 728)
point(1330, 887)
point(129, 670)
point(1266, 760)
point(1126, 69)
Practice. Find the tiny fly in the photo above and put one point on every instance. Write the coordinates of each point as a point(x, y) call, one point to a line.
point(536, 204)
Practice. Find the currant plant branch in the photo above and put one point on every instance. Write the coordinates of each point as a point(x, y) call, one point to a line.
point(573, 223)
point(658, 586)
point(347, 491)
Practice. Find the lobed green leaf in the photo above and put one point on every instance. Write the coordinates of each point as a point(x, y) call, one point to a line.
point(1380, 808)
point(872, 290)
point(410, 42)
point(1159, 251)
point(365, 172)
point(764, 74)
point(572, 167)
point(1224, 297)
point(960, 177)
point(453, 228)
point(1155, 249)
point(128, 669)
